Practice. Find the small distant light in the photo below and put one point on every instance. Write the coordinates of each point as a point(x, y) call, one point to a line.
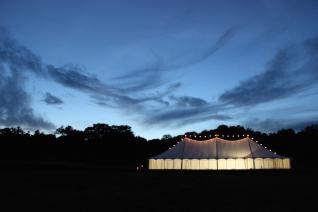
point(243, 135)
point(142, 165)
point(137, 168)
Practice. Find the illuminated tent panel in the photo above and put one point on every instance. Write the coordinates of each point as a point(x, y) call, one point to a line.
point(218, 154)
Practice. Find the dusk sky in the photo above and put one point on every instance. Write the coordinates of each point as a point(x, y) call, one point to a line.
point(162, 67)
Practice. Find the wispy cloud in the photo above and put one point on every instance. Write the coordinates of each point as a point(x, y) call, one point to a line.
point(153, 75)
point(51, 99)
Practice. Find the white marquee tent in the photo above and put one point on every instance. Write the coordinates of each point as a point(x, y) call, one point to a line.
point(218, 154)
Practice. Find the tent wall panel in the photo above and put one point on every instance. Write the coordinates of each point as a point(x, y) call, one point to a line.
point(240, 163)
point(152, 164)
point(221, 164)
point(259, 164)
point(168, 164)
point(213, 164)
point(286, 163)
point(204, 164)
point(268, 163)
point(250, 163)
point(195, 164)
point(230, 164)
point(177, 164)
point(278, 163)
point(186, 164)
point(160, 164)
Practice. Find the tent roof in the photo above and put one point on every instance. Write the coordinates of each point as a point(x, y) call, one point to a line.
point(217, 148)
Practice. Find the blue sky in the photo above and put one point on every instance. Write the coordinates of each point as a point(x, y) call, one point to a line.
point(162, 67)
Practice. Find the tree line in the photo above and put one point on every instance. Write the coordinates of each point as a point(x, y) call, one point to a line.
point(117, 145)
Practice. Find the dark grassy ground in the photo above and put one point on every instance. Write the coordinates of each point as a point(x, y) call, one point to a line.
point(74, 187)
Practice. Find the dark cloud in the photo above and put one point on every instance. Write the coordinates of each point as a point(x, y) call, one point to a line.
point(52, 100)
point(17, 56)
point(264, 87)
point(15, 103)
point(74, 77)
point(180, 116)
point(280, 80)
point(188, 101)
point(272, 124)
point(15, 109)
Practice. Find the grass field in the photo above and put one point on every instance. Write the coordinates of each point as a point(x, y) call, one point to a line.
point(75, 187)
